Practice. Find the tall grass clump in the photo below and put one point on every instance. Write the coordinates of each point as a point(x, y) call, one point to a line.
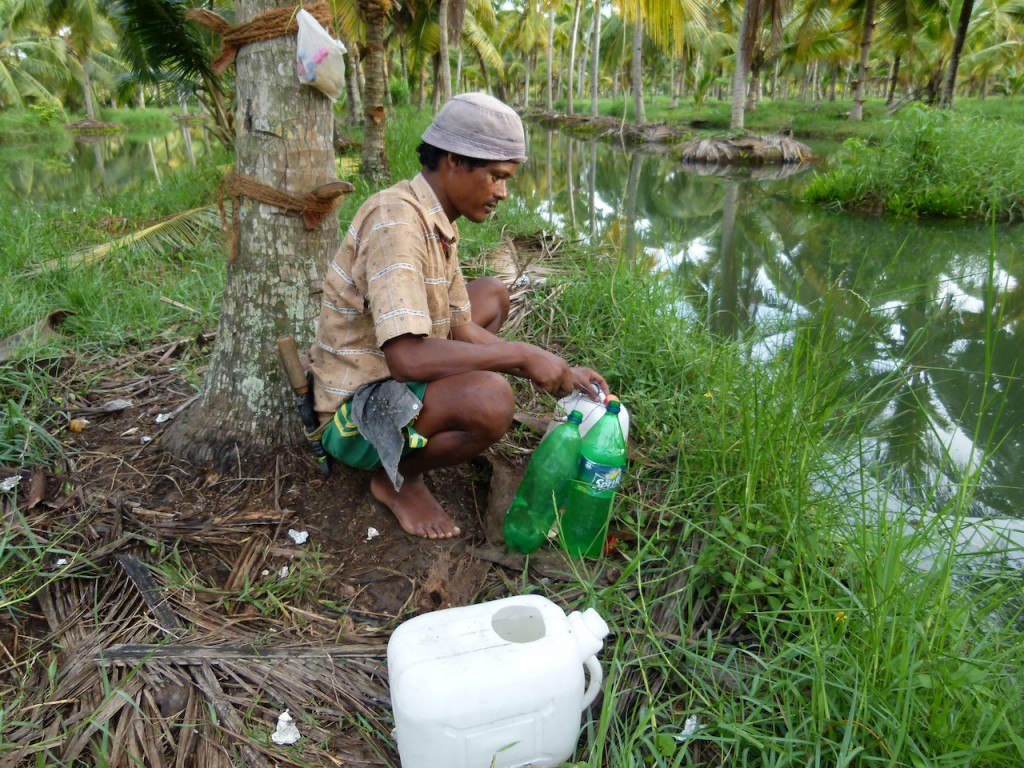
point(933, 163)
point(122, 292)
point(760, 619)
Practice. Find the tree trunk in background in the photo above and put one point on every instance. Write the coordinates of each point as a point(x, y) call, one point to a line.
point(572, 55)
point(867, 33)
point(375, 156)
point(444, 58)
point(355, 102)
point(283, 138)
point(726, 315)
point(638, 71)
point(596, 60)
point(739, 77)
point(551, 57)
point(949, 87)
point(526, 88)
point(90, 108)
point(894, 78)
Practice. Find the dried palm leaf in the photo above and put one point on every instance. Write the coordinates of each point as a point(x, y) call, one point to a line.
point(179, 232)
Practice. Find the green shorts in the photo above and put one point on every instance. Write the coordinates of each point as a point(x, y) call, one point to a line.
point(343, 441)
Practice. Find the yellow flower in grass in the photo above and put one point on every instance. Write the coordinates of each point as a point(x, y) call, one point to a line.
point(840, 617)
point(709, 394)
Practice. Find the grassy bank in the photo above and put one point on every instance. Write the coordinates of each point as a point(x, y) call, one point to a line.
point(932, 163)
point(816, 120)
point(786, 624)
point(789, 623)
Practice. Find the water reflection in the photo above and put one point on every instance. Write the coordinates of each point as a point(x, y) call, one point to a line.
point(935, 308)
point(75, 168)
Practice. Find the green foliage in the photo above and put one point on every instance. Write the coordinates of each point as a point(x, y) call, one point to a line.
point(400, 92)
point(48, 112)
point(933, 163)
point(117, 301)
point(133, 119)
point(792, 623)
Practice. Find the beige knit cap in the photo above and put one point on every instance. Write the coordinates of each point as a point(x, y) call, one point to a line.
point(479, 126)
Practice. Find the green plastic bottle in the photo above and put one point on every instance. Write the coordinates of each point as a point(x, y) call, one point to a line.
point(543, 488)
point(588, 506)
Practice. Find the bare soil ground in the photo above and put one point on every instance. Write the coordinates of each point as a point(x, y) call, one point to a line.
point(167, 582)
point(176, 617)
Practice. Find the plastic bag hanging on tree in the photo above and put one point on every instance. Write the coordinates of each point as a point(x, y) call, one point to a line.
point(320, 59)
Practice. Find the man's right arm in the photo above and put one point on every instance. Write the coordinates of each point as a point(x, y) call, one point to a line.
point(415, 358)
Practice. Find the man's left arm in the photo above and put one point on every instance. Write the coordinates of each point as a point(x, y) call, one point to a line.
point(474, 334)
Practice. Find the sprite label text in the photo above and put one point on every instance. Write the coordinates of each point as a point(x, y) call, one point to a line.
point(601, 476)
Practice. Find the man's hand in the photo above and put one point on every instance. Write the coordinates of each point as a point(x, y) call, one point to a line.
point(551, 374)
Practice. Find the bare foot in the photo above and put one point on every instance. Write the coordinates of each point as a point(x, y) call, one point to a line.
point(415, 507)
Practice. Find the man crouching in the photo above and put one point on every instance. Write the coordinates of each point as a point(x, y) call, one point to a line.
point(407, 368)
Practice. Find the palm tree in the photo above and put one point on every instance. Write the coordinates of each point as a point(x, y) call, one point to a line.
point(595, 59)
point(949, 86)
point(285, 142)
point(866, 37)
point(159, 45)
point(83, 26)
point(375, 164)
point(31, 66)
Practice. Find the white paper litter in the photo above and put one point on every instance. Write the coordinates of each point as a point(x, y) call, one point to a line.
point(286, 732)
point(690, 727)
point(162, 417)
point(60, 561)
point(115, 405)
point(299, 537)
point(371, 534)
point(283, 573)
point(145, 439)
point(10, 483)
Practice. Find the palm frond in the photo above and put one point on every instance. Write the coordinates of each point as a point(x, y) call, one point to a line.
point(183, 230)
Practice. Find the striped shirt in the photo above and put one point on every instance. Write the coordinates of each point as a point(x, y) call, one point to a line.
point(397, 272)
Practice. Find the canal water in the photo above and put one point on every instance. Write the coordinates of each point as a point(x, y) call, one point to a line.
point(96, 165)
point(940, 303)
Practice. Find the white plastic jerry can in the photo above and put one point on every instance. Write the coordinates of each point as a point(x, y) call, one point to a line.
point(591, 412)
point(495, 685)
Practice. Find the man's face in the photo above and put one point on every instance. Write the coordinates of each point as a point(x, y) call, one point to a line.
point(476, 192)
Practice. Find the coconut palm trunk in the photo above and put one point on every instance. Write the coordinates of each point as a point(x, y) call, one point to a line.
point(638, 70)
point(570, 107)
point(375, 156)
point(744, 44)
point(445, 57)
point(283, 139)
point(949, 87)
point(595, 62)
point(551, 57)
point(867, 34)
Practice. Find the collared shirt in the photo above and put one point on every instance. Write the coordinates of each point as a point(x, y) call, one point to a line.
point(397, 272)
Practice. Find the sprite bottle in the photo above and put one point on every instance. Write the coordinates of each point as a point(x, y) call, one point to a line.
point(588, 506)
point(542, 490)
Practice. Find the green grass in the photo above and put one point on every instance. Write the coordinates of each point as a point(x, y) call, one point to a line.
point(119, 302)
point(789, 620)
point(933, 163)
point(808, 120)
point(792, 623)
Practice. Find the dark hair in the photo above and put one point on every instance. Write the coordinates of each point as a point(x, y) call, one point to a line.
point(430, 156)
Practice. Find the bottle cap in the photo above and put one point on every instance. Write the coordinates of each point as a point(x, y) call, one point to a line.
point(612, 403)
point(576, 417)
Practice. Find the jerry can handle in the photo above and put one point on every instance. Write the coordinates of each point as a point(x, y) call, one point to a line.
point(594, 684)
